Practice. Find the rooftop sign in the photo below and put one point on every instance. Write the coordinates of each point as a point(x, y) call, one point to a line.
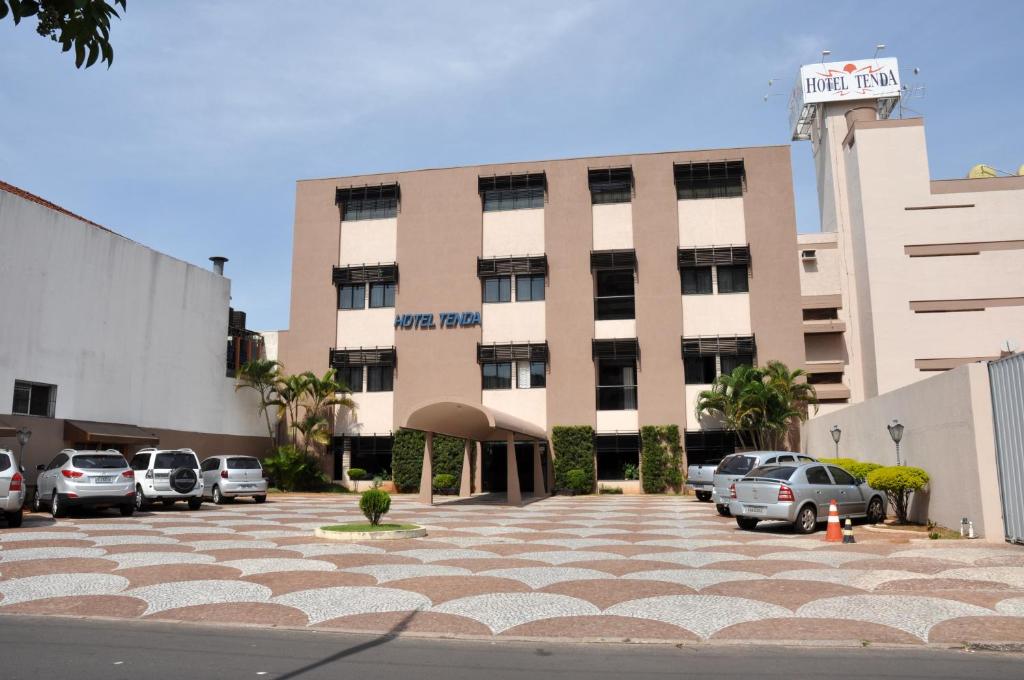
point(842, 81)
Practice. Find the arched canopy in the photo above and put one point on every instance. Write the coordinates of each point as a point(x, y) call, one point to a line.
point(462, 419)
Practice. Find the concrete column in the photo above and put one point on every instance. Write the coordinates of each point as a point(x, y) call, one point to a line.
point(538, 472)
point(478, 468)
point(465, 486)
point(427, 476)
point(515, 497)
point(551, 469)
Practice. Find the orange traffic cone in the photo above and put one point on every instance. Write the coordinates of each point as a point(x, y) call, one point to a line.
point(835, 532)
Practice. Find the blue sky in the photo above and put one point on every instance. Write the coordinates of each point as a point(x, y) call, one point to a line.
point(192, 142)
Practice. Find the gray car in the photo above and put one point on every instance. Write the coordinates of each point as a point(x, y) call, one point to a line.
point(12, 488)
point(734, 466)
point(229, 477)
point(801, 494)
point(92, 479)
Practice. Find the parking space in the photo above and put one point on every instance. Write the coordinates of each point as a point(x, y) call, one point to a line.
point(638, 568)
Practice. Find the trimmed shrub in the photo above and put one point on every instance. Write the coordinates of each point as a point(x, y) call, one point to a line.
point(573, 450)
point(857, 468)
point(356, 473)
point(579, 481)
point(610, 490)
point(898, 482)
point(661, 458)
point(443, 482)
point(407, 458)
point(375, 503)
point(292, 470)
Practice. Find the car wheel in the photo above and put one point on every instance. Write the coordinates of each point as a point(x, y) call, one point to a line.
point(127, 510)
point(723, 510)
point(747, 523)
point(704, 496)
point(14, 518)
point(876, 511)
point(140, 498)
point(195, 503)
point(57, 506)
point(37, 502)
point(218, 499)
point(806, 520)
point(260, 499)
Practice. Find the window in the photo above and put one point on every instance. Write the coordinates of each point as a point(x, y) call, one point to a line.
point(731, 361)
point(614, 452)
point(616, 384)
point(58, 461)
point(372, 454)
point(706, 446)
point(531, 374)
point(782, 473)
point(736, 465)
point(497, 376)
point(380, 378)
point(529, 288)
point(99, 462)
point(733, 278)
point(382, 295)
point(827, 314)
point(842, 476)
point(610, 185)
point(825, 378)
point(351, 377)
point(140, 461)
point(696, 280)
point(720, 179)
point(368, 203)
point(699, 370)
point(243, 463)
point(498, 289)
point(172, 460)
point(208, 465)
point(614, 298)
point(34, 399)
point(817, 475)
point(352, 296)
point(512, 192)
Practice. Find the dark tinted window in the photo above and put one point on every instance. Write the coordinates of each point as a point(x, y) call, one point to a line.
point(243, 464)
point(380, 378)
point(538, 374)
point(352, 297)
point(140, 462)
point(498, 289)
point(529, 288)
point(99, 462)
point(210, 464)
point(175, 459)
point(352, 377)
point(817, 475)
point(805, 459)
point(696, 281)
point(58, 461)
point(699, 370)
point(736, 465)
point(773, 472)
point(614, 294)
point(786, 459)
point(382, 295)
point(841, 476)
point(732, 278)
point(5, 462)
point(497, 376)
point(731, 361)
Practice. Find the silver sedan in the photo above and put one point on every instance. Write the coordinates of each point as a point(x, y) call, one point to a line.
point(800, 494)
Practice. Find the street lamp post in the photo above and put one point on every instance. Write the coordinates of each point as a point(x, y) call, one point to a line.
point(896, 432)
point(836, 434)
point(23, 434)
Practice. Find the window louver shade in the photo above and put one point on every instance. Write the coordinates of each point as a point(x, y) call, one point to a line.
point(703, 257)
point(532, 180)
point(363, 356)
point(368, 193)
point(718, 345)
point(496, 266)
point(613, 259)
point(519, 351)
point(365, 273)
point(621, 348)
point(610, 185)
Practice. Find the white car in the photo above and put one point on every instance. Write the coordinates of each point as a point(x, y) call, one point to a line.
point(12, 488)
point(90, 479)
point(228, 477)
point(167, 475)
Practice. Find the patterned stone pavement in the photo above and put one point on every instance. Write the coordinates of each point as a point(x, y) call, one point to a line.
point(636, 568)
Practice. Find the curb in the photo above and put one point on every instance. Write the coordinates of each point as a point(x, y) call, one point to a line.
point(418, 532)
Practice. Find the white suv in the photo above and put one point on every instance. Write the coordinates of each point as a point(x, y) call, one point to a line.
point(168, 476)
point(12, 488)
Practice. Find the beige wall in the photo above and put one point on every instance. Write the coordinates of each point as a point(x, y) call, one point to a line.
point(368, 241)
point(712, 222)
point(613, 226)
point(716, 314)
point(948, 421)
point(366, 328)
point(513, 321)
point(513, 232)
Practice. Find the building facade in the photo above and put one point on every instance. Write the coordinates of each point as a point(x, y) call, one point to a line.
point(603, 291)
point(109, 344)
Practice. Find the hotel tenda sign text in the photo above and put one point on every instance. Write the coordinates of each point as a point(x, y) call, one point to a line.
point(440, 320)
point(842, 81)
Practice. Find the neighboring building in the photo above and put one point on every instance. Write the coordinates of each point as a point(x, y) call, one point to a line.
point(910, 275)
point(108, 343)
point(500, 301)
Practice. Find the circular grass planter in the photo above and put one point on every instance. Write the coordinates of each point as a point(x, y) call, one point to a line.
point(363, 531)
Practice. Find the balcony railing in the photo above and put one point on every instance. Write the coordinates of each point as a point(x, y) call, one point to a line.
point(616, 397)
point(611, 307)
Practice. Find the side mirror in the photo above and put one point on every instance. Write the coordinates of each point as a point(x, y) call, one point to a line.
point(41, 467)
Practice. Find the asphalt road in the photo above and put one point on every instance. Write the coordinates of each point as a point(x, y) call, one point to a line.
point(77, 649)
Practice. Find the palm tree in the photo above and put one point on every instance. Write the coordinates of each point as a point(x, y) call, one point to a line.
point(728, 399)
point(324, 393)
point(262, 375)
point(794, 397)
point(291, 390)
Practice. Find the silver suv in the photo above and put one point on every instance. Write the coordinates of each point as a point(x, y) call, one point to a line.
point(228, 477)
point(168, 476)
point(12, 488)
point(92, 479)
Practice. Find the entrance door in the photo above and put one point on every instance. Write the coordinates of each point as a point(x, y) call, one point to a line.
point(495, 472)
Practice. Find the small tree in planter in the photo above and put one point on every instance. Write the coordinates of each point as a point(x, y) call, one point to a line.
point(356, 474)
point(375, 503)
point(898, 482)
point(445, 484)
point(578, 482)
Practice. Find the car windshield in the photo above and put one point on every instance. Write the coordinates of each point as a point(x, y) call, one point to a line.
point(737, 465)
point(243, 464)
point(175, 459)
point(99, 462)
point(772, 472)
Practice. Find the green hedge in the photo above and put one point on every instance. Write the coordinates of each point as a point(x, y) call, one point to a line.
point(407, 458)
point(661, 458)
point(854, 467)
point(573, 450)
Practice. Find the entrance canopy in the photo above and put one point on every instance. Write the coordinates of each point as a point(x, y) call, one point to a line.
point(7, 430)
point(457, 418)
point(87, 432)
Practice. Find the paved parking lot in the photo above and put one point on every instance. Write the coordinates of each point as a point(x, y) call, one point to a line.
point(638, 568)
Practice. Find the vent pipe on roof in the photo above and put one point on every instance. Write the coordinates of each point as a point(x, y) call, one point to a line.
point(218, 264)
